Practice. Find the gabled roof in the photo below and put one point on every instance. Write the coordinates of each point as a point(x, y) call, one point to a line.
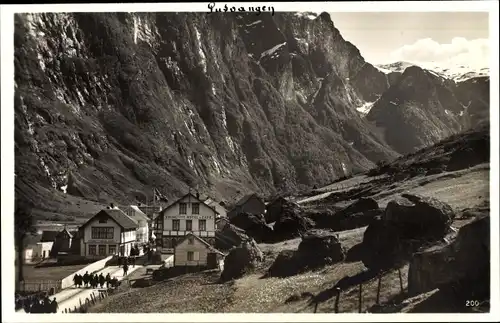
point(49, 236)
point(208, 245)
point(116, 215)
point(224, 218)
point(194, 197)
point(137, 214)
point(245, 199)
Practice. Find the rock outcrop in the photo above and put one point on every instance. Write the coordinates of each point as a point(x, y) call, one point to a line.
point(407, 224)
point(467, 257)
point(241, 260)
point(358, 214)
point(230, 236)
point(317, 249)
point(418, 111)
point(255, 226)
point(291, 225)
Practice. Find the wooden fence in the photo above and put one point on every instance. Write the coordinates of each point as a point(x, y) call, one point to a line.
point(40, 285)
point(85, 304)
point(338, 292)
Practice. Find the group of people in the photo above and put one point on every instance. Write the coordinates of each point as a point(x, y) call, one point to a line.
point(94, 280)
point(37, 303)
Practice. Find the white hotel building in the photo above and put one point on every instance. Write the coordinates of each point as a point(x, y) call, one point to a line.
point(186, 215)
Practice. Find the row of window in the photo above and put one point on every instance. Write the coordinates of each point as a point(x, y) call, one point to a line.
point(176, 225)
point(100, 250)
point(195, 208)
point(104, 233)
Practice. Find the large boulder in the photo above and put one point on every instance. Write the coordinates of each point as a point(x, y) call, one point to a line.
point(278, 207)
point(229, 237)
point(424, 217)
point(291, 225)
point(317, 249)
point(356, 215)
point(254, 225)
point(241, 260)
point(408, 223)
point(361, 205)
point(465, 258)
point(284, 265)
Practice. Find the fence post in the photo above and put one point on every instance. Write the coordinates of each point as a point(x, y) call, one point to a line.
point(337, 298)
point(80, 302)
point(360, 297)
point(75, 307)
point(378, 288)
point(400, 280)
point(316, 307)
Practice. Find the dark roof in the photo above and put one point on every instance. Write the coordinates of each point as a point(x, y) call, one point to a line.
point(118, 216)
point(245, 199)
point(208, 245)
point(49, 236)
point(193, 196)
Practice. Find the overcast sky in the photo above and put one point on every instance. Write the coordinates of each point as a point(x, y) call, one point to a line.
point(384, 37)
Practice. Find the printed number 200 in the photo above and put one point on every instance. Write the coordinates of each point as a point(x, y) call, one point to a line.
point(471, 303)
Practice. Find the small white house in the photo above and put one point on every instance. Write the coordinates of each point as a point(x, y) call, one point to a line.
point(109, 232)
point(142, 220)
point(194, 251)
point(38, 251)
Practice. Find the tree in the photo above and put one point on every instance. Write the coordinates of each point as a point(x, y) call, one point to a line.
point(24, 226)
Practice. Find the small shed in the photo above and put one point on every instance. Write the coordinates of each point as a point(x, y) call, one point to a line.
point(194, 251)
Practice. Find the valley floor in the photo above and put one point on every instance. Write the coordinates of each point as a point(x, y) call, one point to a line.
point(200, 292)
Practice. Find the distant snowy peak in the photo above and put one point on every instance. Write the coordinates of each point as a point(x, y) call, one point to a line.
point(458, 73)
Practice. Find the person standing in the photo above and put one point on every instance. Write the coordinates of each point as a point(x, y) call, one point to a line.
point(102, 280)
point(86, 278)
point(54, 306)
point(108, 280)
point(125, 270)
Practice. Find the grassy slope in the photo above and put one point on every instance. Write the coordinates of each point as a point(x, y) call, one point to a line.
point(251, 294)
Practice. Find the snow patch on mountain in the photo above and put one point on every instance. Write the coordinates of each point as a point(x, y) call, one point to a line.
point(458, 73)
point(272, 50)
point(365, 108)
point(308, 15)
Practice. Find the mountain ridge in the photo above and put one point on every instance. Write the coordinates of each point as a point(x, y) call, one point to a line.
point(108, 105)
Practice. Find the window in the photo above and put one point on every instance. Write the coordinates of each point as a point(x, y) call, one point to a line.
point(176, 225)
point(102, 233)
point(92, 250)
point(190, 240)
point(103, 220)
point(189, 225)
point(112, 249)
point(196, 208)
point(182, 208)
point(102, 250)
point(168, 243)
point(190, 256)
point(203, 225)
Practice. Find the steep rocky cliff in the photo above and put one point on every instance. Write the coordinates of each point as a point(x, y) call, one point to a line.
point(108, 105)
point(417, 111)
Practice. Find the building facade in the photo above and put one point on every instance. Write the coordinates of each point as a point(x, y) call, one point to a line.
point(186, 215)
point(143, 223)
point(195, 251)
point(109, 232)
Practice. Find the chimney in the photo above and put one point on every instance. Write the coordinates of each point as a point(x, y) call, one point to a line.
point(198, 195)
point(112, 206)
